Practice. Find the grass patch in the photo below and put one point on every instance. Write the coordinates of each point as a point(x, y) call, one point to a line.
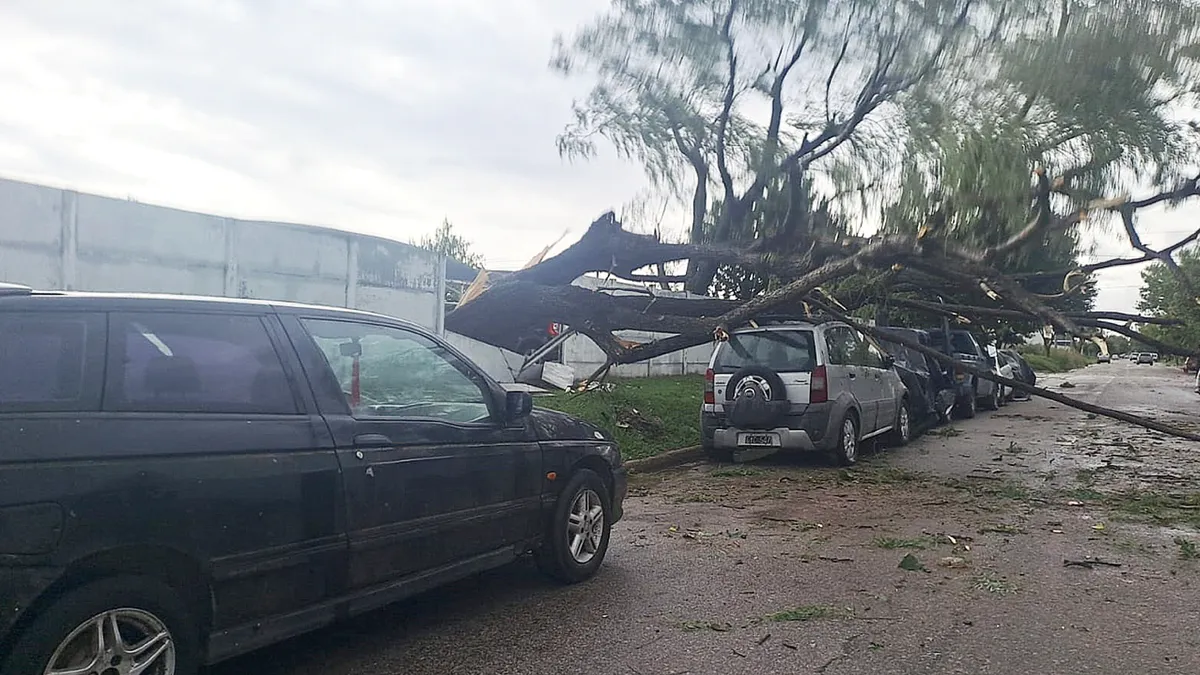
point(698, 498)
point(1058, 361)
point(879, 475)
point(736, 472)
point(808, 613)
point(1157, 508)
point(1188, 550)
point(944, 432)
point(892, 543)
point(719, 626)
point(991, 583)
point(646, 415)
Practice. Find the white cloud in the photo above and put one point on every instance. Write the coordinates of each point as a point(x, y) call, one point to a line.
point(380, 116)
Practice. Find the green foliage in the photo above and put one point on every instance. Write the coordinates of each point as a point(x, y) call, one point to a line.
point(645, 415)
point(452, 245)
point(1163, 295)
point(1057, 361)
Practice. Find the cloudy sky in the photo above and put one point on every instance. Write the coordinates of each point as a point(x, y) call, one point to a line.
point(379, 116)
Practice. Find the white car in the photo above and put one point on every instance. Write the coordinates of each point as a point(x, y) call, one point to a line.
point(804, 386)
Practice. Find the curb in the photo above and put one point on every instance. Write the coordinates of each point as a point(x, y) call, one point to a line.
point(665, 460)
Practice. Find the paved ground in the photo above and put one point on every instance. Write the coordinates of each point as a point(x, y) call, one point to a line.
point(791, 567)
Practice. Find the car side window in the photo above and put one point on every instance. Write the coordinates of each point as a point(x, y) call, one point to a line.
point(839, 343)
point(392, 373)
point(195, 363)
point(43, 357)
point(872, 357)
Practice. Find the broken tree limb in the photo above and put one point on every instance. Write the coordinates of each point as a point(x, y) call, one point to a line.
point(1008, 382)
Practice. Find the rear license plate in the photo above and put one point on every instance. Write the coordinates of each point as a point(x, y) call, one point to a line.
point(758, 440)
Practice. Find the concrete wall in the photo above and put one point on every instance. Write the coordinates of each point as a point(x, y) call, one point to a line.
point(585, 357)
point(59, 239)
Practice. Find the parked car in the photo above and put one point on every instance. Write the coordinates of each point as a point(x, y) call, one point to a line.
point(1008, 369)
point(1145, 357)
point(183, 480)
point(800, 386)
point(1023, 372)
point(963, 346)
point(937, 389)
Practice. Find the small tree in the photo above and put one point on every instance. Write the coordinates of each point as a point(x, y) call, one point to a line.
point(446, 242)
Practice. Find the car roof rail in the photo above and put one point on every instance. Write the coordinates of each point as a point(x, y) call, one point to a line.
point(790, 317)
point(14, 289)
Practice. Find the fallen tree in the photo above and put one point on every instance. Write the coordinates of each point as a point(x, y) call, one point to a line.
point(519, 306)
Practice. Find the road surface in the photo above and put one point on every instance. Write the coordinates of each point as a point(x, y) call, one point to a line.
point(792, 567)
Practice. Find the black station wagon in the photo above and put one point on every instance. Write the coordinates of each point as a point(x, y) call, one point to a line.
point(183, 480)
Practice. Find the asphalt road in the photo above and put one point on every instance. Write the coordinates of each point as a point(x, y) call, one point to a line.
point(791, 567)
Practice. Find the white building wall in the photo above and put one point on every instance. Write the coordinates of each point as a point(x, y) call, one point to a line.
point(60, 239)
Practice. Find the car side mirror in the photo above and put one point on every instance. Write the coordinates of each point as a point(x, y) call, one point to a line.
point(517, 405)
point(888, 360)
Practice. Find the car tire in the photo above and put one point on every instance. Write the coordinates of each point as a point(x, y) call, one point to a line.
point(845, 453)
point(901, 432)
point(966, 408)
point(563, 556)
point(992, 402)
point(141, 605)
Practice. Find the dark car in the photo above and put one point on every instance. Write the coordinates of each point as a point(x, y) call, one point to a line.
point(1023, 372)
point(933, 387)
point(965, 347)
point(183, 480)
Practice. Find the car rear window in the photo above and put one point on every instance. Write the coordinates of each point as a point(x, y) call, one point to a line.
point(908, 358)
point(789, 351)
point(961, 342)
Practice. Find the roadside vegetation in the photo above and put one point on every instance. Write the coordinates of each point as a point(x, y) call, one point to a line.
point(1058, 361)
point(647, 416)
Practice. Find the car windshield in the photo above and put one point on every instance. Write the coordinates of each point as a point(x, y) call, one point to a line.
point(905, 357)
point(960, 341)
point(788, 351)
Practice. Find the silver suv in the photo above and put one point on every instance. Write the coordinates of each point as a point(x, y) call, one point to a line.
point(804, 386)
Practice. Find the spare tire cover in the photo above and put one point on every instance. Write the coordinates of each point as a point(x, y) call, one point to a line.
point(755, 398)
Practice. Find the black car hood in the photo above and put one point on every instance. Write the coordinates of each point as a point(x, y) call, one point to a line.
point(552, 425)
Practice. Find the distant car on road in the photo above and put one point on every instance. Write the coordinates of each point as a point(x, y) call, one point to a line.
point(1145, 357)
point(800, 386)
point(1104, 358)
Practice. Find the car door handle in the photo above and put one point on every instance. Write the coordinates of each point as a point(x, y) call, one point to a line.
point(372, 441)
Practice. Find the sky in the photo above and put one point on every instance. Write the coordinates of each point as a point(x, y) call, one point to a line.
point(377, 116)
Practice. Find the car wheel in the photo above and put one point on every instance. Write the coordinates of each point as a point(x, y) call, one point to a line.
point(118, 625)
point(901, 433)
point(992, 402)
point(846, 450)
point(575, 545)
point(966, 408)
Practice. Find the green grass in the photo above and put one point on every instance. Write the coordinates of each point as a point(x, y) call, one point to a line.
point(647, 415)
point(808, 613)
point(1187, 549)
point(1059, 360)
point(893, 543)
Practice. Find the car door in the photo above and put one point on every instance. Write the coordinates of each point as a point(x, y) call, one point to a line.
point(207, 445)
point(844, 374)
point(881, 381)
point(434, 476)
